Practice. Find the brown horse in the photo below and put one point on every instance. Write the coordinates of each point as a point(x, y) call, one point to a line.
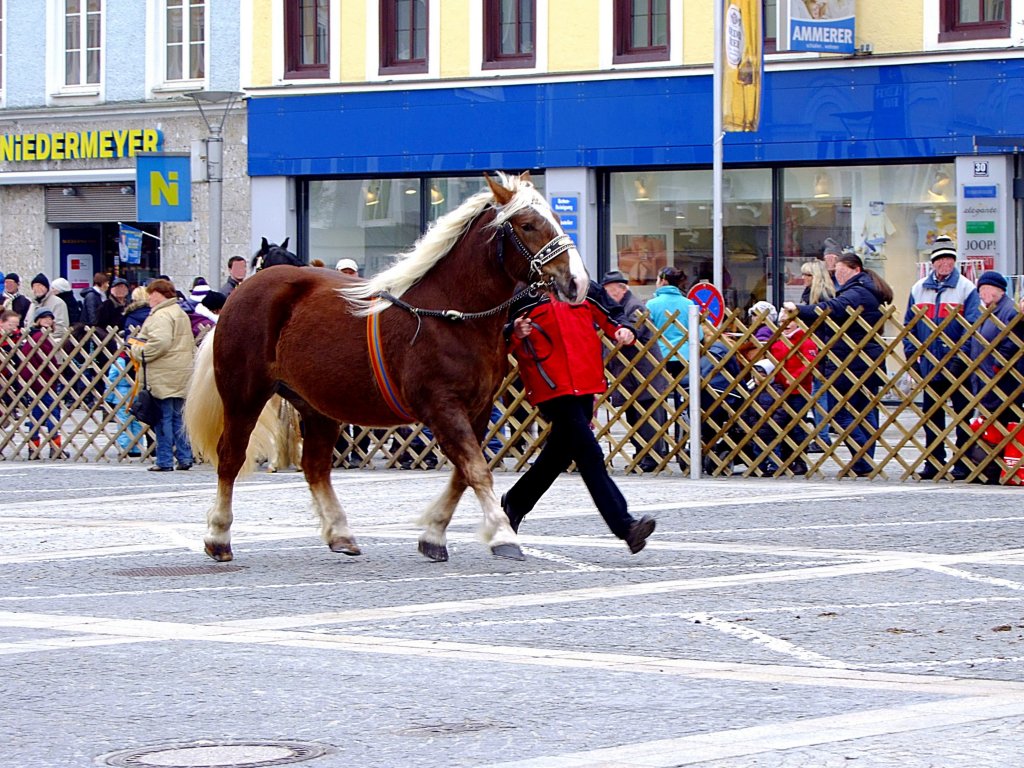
point(422, 341)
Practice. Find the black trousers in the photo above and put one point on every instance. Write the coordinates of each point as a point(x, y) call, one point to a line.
point(571, 439)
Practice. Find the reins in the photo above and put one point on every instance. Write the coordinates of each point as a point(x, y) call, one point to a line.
point(455, 315)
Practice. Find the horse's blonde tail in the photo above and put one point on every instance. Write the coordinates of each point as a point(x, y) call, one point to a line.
point(204, 414)
point(204, 410)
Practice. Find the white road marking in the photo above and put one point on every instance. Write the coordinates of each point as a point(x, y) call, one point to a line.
point(779, 737)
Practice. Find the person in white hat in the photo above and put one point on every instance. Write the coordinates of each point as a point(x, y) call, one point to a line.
point(939, 293)
point(347, 267)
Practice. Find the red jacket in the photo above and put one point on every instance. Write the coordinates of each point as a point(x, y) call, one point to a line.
point(799, 367)
point(563, 353)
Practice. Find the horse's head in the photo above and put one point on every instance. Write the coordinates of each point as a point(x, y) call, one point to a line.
point(272, 254)
point(533, 245)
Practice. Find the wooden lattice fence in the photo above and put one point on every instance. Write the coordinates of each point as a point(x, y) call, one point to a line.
point(81, 390)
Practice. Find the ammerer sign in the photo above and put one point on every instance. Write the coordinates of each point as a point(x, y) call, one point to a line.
point(79, 145)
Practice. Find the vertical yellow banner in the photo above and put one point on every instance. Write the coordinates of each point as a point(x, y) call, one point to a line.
point(743, 67)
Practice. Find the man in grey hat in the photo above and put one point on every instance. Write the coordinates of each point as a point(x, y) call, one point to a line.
point(616, 285)
point(943, 291)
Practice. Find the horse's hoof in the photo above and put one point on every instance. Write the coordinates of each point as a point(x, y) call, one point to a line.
point(508, 551)
point(219, 552)
point(345, 547)
point(438, 553)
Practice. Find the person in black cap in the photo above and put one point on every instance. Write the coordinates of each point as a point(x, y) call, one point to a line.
point(44, 298)
point(992, 287)
point(939, 293)
point(110, 313)
point(616, 285)
point(13, 300)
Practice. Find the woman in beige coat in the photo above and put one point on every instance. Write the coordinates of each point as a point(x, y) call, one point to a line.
point(166, 345)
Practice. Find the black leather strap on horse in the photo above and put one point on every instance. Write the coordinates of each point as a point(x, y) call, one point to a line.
point(453, 315)
point(536, 358)
point(552, 250)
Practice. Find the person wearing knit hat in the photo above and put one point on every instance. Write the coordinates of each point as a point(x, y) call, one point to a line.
point(943, 248)
point(932, 298)
point(13, 299)
point(994, 374)
point(995, 280)
point(200, 288)
point(44, 298)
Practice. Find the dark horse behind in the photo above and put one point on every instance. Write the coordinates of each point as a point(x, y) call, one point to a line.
point(422, 341)
point(274, 255)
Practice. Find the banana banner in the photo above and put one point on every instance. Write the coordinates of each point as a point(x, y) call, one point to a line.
point(743, 67)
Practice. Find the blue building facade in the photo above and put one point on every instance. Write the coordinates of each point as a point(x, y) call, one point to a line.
point(876, 155)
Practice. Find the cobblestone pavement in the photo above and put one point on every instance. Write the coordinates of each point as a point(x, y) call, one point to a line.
point(768, 623)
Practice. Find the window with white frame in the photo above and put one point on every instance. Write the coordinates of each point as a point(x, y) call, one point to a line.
point(185, 40)
point(82, 41)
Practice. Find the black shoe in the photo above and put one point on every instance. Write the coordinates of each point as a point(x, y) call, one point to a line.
point(647, 466)
point(184, 467)
point(134, 454)
point(960, 472)
point(798, 467)
point(513, 520)
point(814, 448)
point(636, 539)
point(930, 472)
point(767, 469)
point(158, 468)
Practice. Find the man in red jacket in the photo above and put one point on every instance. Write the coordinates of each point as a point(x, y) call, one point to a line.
point(562, 368)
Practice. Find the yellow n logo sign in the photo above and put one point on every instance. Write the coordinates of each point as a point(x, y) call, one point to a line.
point(163, 190)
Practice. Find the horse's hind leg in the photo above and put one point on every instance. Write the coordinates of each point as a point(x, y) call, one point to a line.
point(230, 459)
point(435, 519)
point(319, 439)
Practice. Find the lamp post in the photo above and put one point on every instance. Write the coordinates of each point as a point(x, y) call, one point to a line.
point(215, 105)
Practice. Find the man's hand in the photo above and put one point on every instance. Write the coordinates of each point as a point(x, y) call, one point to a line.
point(788, 311)
point(624, 336)
point(522, 327)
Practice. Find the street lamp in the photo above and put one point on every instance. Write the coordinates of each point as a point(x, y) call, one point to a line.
point(215, 105)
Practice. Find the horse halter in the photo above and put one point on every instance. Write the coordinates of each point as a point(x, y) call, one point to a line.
point(552, 250)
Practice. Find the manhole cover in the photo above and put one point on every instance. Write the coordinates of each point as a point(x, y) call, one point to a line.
point(228, 754)
point(179, 570)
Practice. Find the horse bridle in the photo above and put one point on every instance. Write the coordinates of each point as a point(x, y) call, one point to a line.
point(552, 250)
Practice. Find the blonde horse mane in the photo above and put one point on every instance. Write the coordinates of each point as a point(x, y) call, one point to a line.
point(409, 268)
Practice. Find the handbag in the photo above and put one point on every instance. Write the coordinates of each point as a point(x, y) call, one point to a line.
point(145, 407)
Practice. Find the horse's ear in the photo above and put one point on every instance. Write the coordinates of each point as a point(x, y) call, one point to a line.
point(264, 244)
point(525, 176)
point(284, 245)
point(501, 194)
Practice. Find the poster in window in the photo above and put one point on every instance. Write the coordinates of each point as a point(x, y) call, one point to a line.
point(641, 256)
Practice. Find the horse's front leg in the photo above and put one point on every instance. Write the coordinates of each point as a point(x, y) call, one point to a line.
point(217, 541)
point(435, 518)
point(462, 447)
point(317, 453)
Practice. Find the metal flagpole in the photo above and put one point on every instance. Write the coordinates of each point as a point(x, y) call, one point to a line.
point(716, 150)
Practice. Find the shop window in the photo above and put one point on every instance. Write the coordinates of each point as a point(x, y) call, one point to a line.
point(372, 220)
point(307, 40)
point(665, 218)
point(82, 42)
point(889, 215)
point(641, 31)
point(974, 20)
point(403, 36)
point(510, 33)
point(770, 20)
point(185, 40)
